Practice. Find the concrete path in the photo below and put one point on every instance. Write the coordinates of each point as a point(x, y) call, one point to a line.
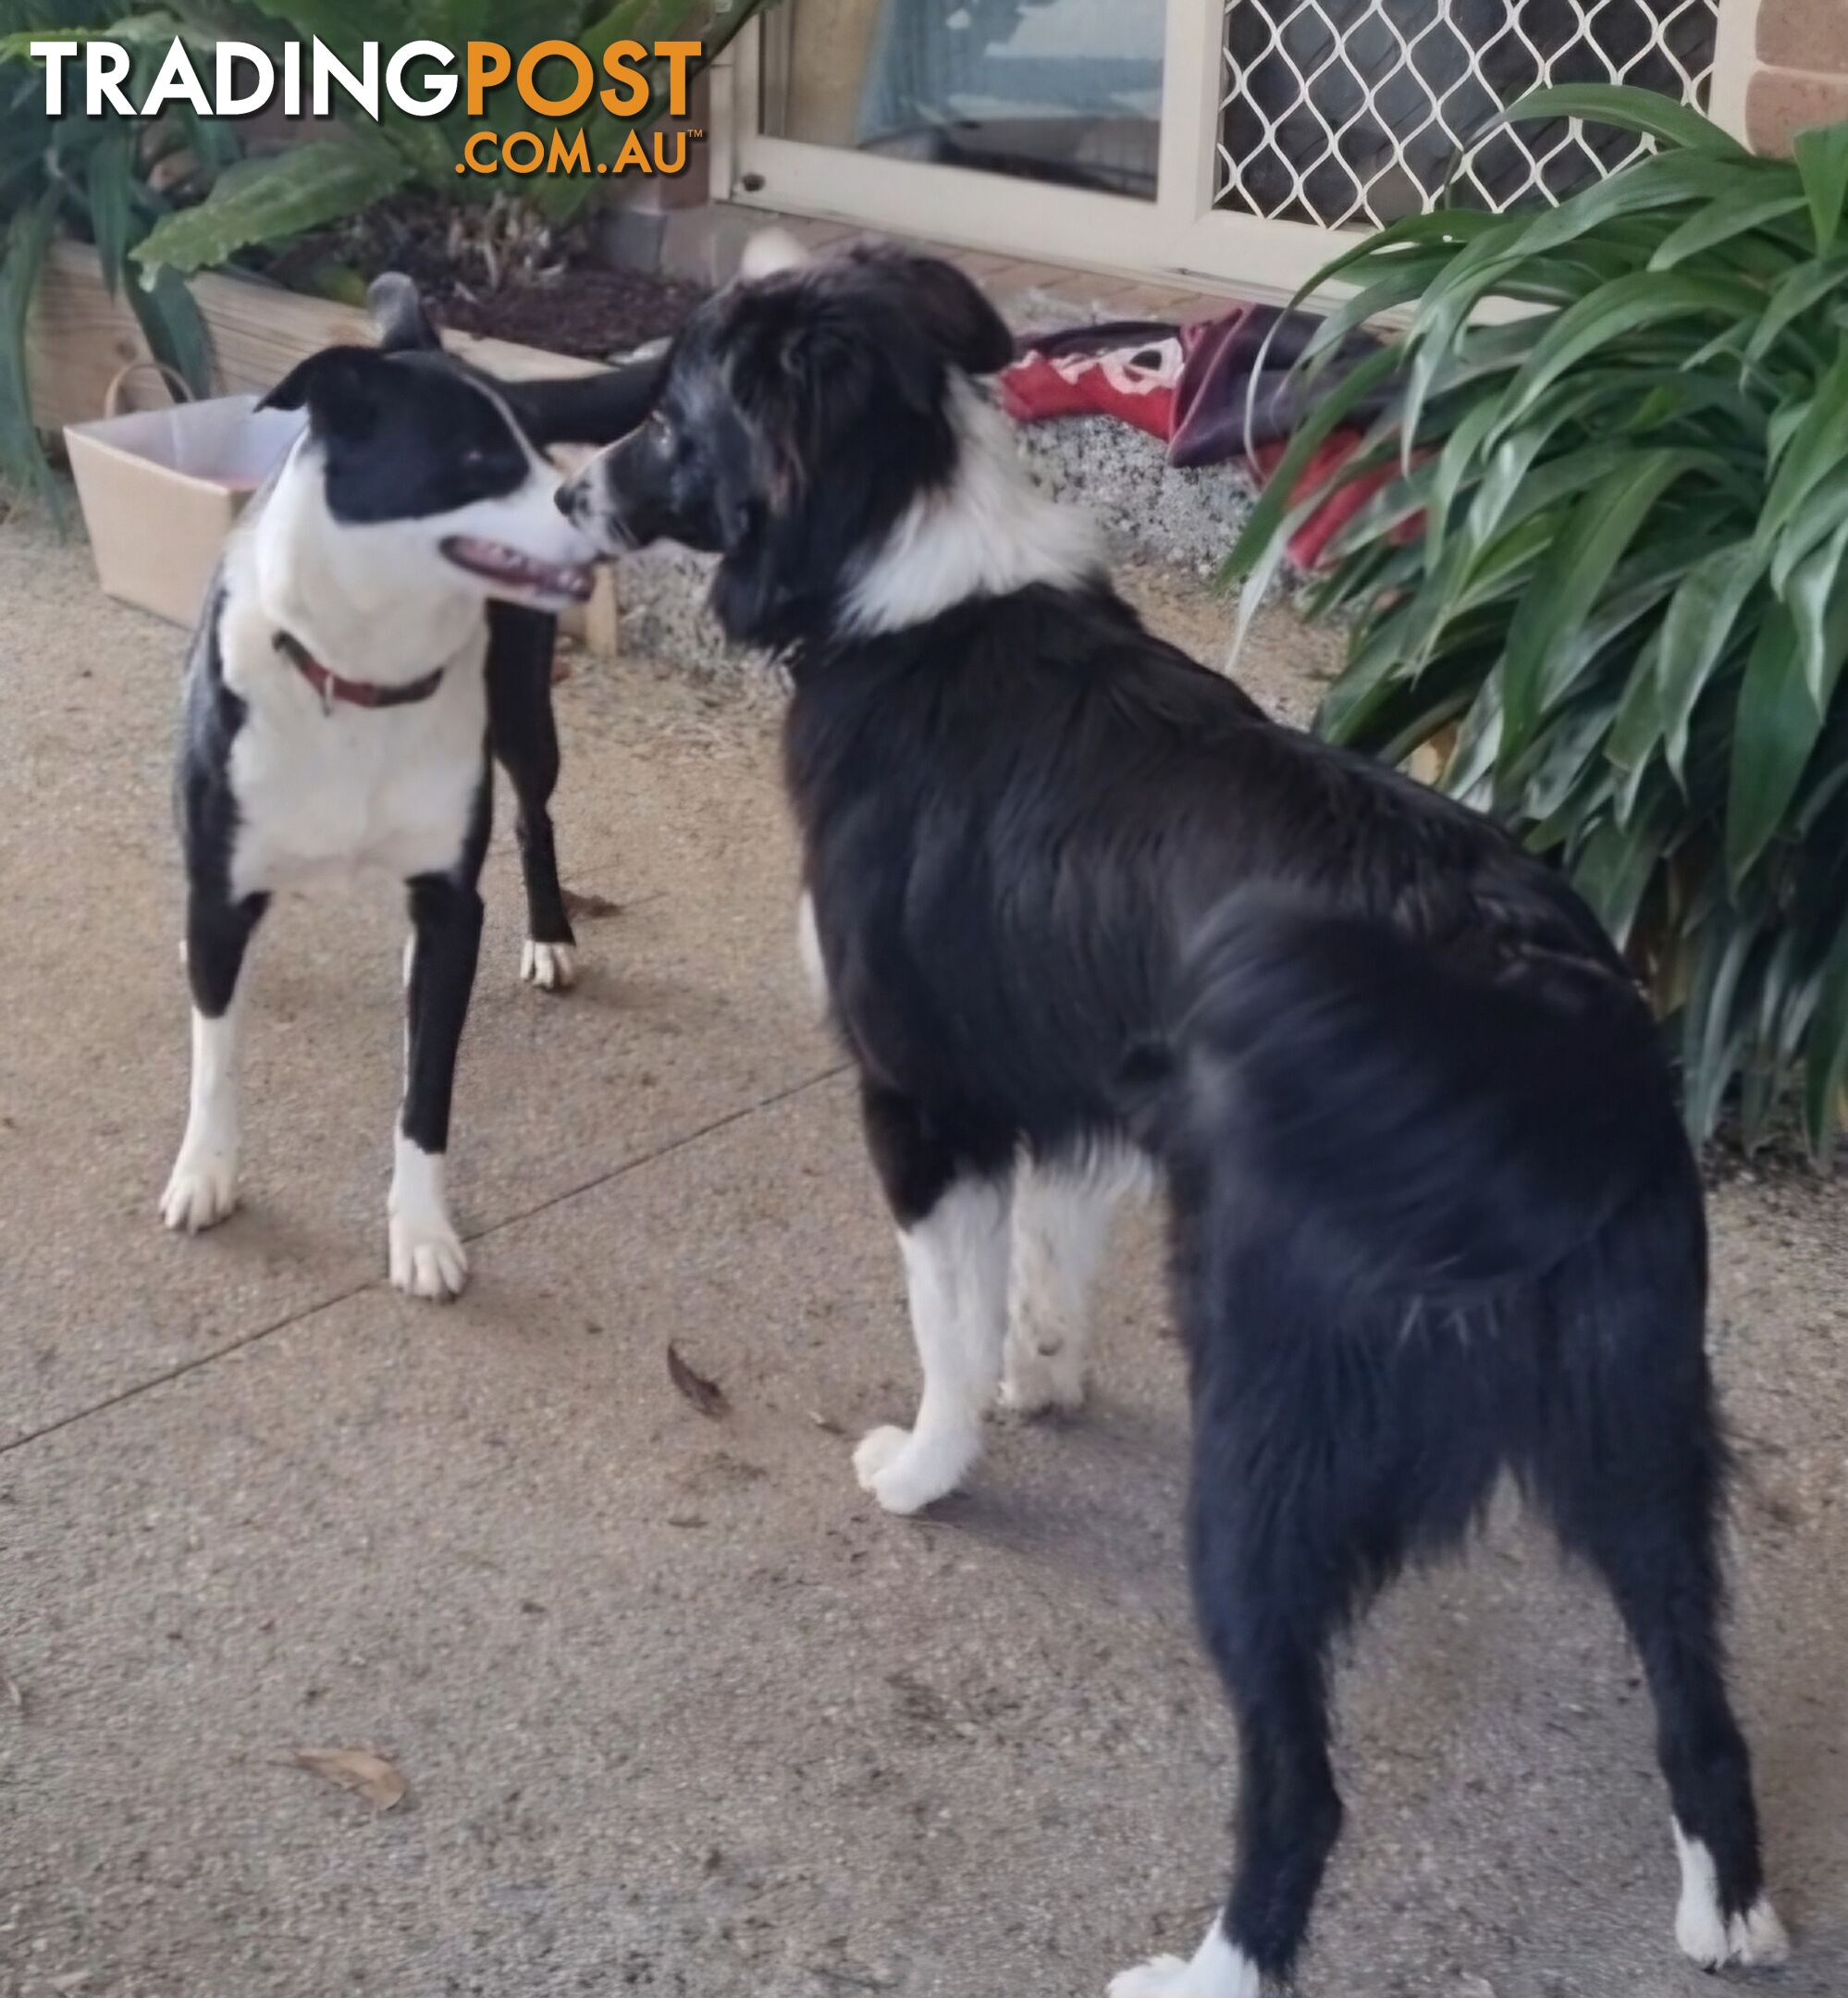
point(678, 1713)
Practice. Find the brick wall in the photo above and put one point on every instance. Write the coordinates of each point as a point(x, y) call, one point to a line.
point(1780, 64)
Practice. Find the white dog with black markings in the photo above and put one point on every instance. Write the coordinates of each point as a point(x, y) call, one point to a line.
point(338, 716)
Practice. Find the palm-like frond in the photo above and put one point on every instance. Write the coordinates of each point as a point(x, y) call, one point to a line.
point(1630, 588)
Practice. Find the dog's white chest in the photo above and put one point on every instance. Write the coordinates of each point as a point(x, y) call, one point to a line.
point(329, 788)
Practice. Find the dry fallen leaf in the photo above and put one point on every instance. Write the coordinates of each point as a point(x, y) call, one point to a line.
point(707, 1396)
point(825, 1421)
point(590, 908)
point(358, 1769)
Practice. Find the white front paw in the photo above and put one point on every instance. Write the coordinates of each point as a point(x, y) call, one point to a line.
point(905, 1472)
point(1040, 1383)
point(200, 1192)
point(427, 1259)
point(550, 966)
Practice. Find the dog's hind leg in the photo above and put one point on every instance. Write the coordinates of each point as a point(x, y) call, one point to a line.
point(1062, 1217)
point(1308, 1488)
point(427, 1257)
point(523, 731)
point(1269, 1589)
point(202, 1187)
point(1631, 1468)
point(950, 1193)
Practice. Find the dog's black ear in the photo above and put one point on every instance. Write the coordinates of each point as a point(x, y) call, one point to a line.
point(955, 314)
point(337, 387)
point(588, 409)
point(397, 316)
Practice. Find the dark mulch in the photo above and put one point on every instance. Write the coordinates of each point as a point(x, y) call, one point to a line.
point(594, 314)
point(546, 293)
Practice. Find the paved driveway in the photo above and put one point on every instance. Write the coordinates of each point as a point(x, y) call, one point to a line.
point(677, 1712)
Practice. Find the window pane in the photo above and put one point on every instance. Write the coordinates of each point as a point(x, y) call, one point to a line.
point(1065, 91)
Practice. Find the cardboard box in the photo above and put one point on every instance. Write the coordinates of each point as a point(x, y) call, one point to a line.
point(161, 488)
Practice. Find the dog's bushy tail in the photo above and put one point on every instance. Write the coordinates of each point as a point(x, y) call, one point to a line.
point(1420, 1126)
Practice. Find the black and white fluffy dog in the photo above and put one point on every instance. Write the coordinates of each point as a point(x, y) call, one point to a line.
point(1435, 1218)
point(381, 615)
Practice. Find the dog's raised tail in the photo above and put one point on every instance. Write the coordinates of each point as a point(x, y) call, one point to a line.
point(1421, 1125)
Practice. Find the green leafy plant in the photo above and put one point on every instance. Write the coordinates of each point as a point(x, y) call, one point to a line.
point(107, 181)
point(1610, 566)
point(263, 202)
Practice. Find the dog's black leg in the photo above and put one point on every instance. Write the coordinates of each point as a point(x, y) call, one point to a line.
point(1631, 1468)
point(428, 1258)
point(202, 1187)
point(524, 734)
point(1268, 1605)
point(1304, 1496)
point(949, 1187)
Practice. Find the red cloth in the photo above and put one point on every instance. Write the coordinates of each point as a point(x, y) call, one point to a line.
point(1307, 543)
point(1185, 386)
point(1135, 383)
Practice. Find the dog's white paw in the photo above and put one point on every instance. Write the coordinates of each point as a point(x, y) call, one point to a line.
point(1219, 1969)
point(905, 1472)
point(1038, 1383)
point(201, 1190)
point(427, 1259)
point(1161, 1977)
point(1753, 1941)
point(1758, 1938)
point(550, 966)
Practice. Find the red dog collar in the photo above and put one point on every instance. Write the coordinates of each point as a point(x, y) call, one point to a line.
point(357, 692)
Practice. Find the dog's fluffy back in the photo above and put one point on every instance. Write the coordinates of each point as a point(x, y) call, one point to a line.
point(1019, 815)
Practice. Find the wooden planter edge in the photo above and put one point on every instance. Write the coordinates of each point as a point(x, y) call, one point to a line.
point(79, 339)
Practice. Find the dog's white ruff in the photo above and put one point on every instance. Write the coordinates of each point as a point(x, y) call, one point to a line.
point(427, 1257)
point(1062, 1217)
point(986, 533)
point(1219, 1969)
point(550, 966)
point(1752, 1940)
point(202, 1187)
point(956, 1266)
